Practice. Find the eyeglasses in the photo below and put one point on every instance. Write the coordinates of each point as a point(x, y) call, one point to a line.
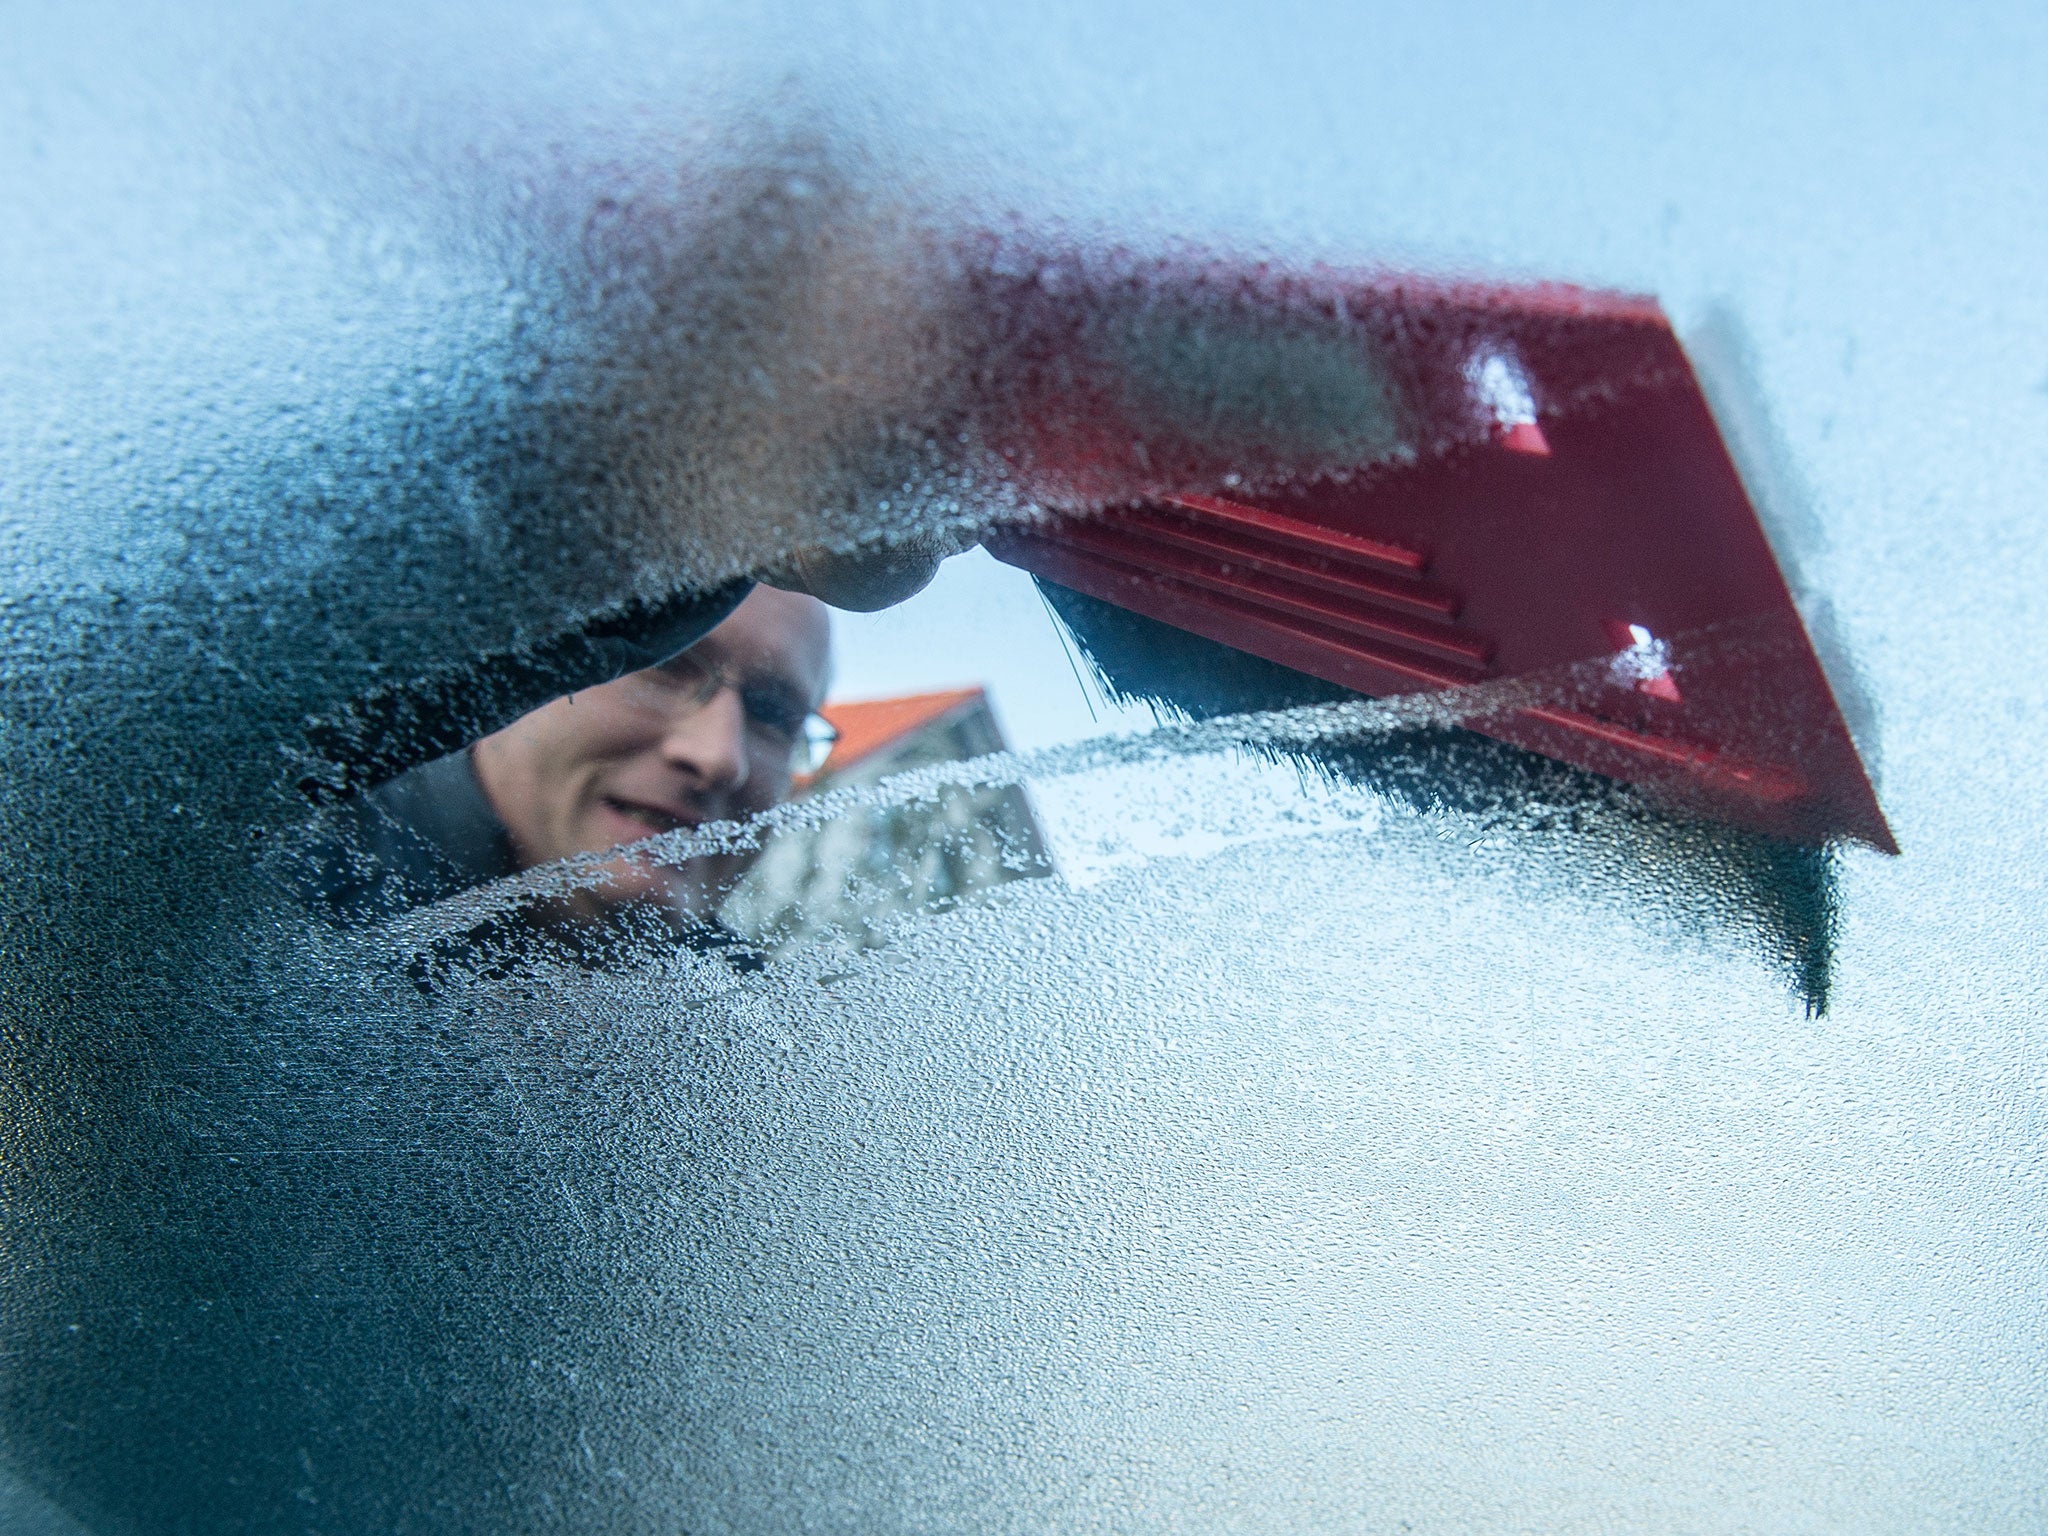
point(781, 727)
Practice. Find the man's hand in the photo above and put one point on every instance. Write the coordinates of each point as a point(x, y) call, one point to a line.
point(864, 579)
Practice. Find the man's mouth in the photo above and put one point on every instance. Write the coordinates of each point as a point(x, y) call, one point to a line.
point(654, 818)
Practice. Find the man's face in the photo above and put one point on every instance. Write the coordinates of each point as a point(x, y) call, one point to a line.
point(671, 747)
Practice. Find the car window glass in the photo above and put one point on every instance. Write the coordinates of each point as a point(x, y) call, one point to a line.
point(1139, 1086)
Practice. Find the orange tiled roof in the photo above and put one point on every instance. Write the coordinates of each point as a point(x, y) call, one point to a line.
point(868, 725)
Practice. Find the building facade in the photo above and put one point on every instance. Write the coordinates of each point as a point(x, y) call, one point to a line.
point(859, 873)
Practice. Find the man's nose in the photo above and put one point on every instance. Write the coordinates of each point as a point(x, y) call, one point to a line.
point(710, 743)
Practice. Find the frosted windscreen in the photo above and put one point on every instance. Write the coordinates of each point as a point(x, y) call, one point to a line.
point(1327, 1130)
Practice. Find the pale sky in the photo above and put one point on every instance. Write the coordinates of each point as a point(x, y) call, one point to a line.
point(980, 621)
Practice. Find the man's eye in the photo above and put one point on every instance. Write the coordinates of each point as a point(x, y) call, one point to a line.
point(772, 712)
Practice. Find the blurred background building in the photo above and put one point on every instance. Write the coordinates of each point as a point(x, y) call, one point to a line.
point(862, 870)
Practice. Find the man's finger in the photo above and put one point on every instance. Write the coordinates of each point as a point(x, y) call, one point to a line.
point(863, 580)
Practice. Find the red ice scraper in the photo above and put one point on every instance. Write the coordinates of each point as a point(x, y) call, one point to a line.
point(1557, 509)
